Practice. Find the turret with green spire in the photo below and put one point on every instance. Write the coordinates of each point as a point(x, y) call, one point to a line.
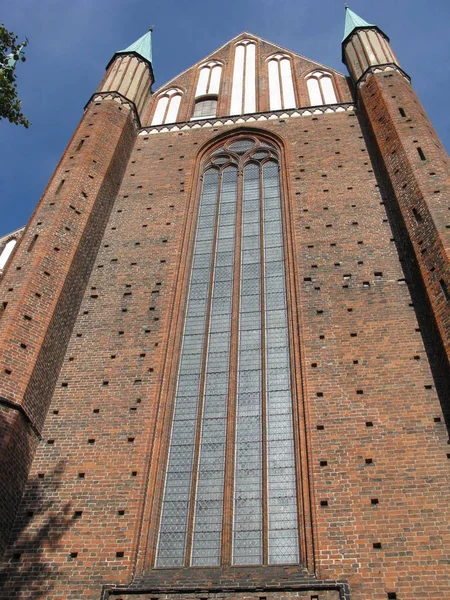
point(364, 45)
point(130, 72)
point(141, 47)
point(352, 22)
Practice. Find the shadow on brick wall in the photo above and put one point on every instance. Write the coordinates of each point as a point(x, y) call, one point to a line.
point(28, 569)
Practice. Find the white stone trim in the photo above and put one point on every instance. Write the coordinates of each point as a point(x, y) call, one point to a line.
point(239, 119)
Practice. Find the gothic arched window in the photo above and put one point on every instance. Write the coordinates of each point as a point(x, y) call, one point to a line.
point(320, 88)
point(6, 252)
point(243, 93)
point(167, 107)
point(232, 461)
point(281, 89)
point(209, 79)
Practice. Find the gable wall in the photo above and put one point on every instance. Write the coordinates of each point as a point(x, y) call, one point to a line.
point(300, 66)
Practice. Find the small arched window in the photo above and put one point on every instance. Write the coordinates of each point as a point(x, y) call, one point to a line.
point(321, 89)
point(281, 88)
point(6, 252)
point(167, 107)
point(209, 79)
point(205, 107)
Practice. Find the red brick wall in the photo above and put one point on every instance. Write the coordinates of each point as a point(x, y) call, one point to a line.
point(364, 384)
point(419, 172)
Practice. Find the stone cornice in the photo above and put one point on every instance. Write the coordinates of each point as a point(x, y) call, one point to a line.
point(120, 99)
point(380, 69)
point(277, 115)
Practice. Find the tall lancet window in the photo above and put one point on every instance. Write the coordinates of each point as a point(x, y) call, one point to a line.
point(321, 89)
point(243, 92)
point(167, 107)
point(281, 88)
point(230, 493)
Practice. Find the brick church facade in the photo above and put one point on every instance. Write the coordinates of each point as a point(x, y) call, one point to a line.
point(225, 338)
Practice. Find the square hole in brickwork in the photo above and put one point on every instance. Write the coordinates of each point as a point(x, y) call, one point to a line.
point(376, 545)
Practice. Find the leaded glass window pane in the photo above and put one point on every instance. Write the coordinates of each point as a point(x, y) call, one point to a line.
point(247, 545)
point(171, 544)
point(282, 495)
point(210, 480)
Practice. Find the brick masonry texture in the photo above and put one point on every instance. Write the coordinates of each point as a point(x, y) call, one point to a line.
point(368, 389)
point(317, 591)
point(45, 280)
point(418, 169)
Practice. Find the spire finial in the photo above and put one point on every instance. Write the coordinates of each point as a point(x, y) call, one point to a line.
point(352, 22)
point(151, 28)
point(142, 46)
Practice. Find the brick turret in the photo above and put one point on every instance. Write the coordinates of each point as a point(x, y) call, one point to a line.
point(413, 160)
point(44, 280)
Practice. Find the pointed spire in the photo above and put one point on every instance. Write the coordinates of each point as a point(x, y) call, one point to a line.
point(352, 22)
point(142, 47)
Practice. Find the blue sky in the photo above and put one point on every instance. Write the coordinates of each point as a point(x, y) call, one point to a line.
point(71, 42)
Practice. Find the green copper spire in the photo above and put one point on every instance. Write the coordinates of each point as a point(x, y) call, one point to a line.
point(352, 22)
point(142, 46)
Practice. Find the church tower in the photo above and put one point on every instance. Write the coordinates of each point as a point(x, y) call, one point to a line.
point(224, 338)
point(46, 278)
point(415, 163)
